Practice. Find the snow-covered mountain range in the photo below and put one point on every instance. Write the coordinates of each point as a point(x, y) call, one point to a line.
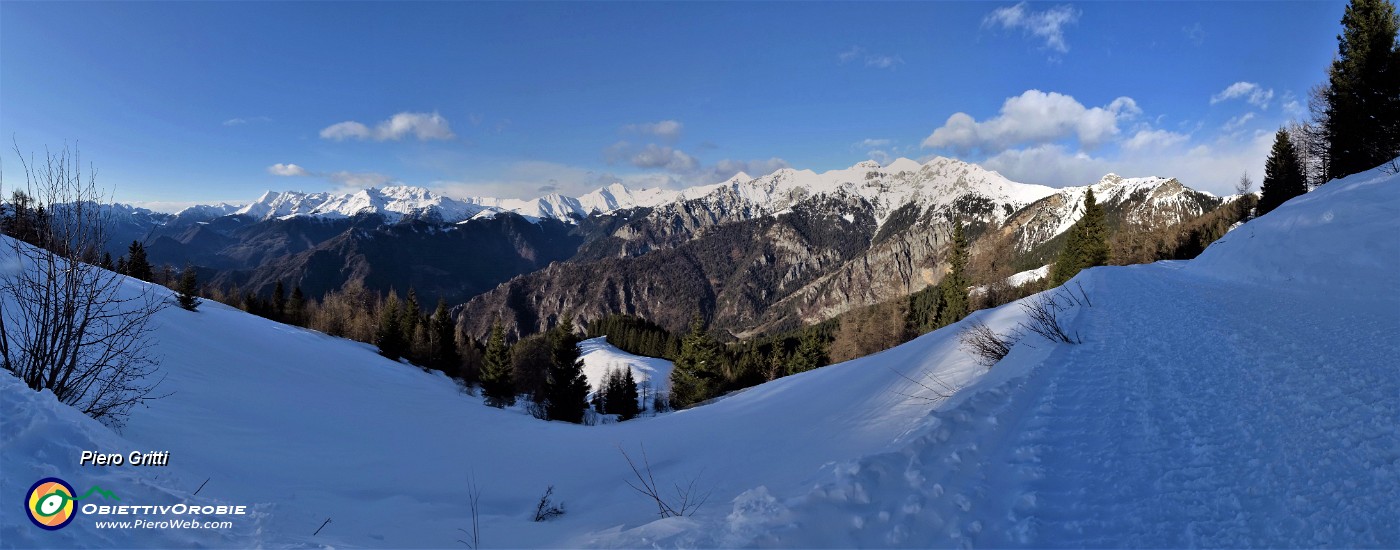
point(939, 182)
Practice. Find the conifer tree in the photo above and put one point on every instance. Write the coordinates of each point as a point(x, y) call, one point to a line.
point(954, 304)
point(296, 307)
point(1086, 243)
point(389, 334)
point(623, 398)
point(187, 289)
point(279, 302)
point(566, 387)
point(1283, 175)
point(136, 264)
point(107, 262)
point(497, 382)
point(810, 354)
point(693, 372)
point(1362, 96)
point(444, 354)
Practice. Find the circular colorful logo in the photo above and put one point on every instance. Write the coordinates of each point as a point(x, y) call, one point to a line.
point(50, 503)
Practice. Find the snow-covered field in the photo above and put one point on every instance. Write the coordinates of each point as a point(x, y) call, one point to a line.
point(1246, 398)
point(599, 357)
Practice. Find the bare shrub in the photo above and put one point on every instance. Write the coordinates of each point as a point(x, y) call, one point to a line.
point(686, 500)
point(1046, 312)
point(67, 325)
point(931, 389)
point(546, 509)
point(986, 345)
point(473, 539)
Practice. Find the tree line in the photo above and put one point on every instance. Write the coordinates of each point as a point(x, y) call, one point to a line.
point(1354, 116)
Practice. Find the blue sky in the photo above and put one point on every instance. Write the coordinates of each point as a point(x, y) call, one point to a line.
point(178, 103)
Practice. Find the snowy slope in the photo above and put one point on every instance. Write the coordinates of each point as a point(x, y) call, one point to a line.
point(1243, 399)
point(599, 357)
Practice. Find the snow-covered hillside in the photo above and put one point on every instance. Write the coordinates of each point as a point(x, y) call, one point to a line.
point(1246, 398)
point(599, 357)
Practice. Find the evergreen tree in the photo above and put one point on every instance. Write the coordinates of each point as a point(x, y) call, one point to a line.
point(1283, 175)
point(954, 304)
point(121, 265)
point(1086, 244)
point(136, 264)
point(692, 376)
point(810, 354)
point(187, 289)
point(566, 387)
point(279, 302)
point(923, 311)
point(623, 396)
point(296, 307)
point(107, 262)
point(389, 333)
point(497, 384)
point(444, 354)
point(1362, 98)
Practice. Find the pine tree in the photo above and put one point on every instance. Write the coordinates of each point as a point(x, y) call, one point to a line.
point(694, 367)
point(1283, 175)
point(497, 383)
point(1086, 244)
point(187, 289)
point(954, 300)
point(296, 307)
point(566, 387)
point(389, 333)
point(810, 354)
point(107, 262)
point(279, 302)
point(136, 264)
point(444, 354)
point(1362, 98)
point(623, 400)
point(923, 311)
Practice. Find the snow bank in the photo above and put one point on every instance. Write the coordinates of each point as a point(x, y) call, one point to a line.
point(1344, 233)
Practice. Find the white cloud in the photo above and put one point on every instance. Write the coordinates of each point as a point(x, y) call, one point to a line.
point(869, 143)
point(1213, 167)
point(1048, 25)
point(1034, 117)
point(655, 156)
point(424, 126)
point(1195, 33)
point(669, 130)
point(883, 61)
point(880, 156)
point(239, 121)
point(1150, 140)
point(1237, 122)
point(1251, 92)
point(342, 131)
point(281, 169)
point(849, 55)
point(874, 60)
point(359, 180)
